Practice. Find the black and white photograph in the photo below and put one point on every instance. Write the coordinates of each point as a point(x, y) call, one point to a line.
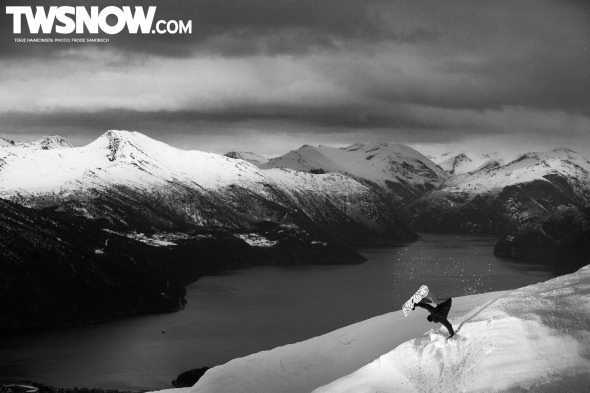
point(278, 196)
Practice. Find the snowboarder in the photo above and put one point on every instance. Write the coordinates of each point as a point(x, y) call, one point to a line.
point(439, 313)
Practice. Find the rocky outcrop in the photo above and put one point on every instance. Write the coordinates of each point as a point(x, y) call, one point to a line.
point(189, 378)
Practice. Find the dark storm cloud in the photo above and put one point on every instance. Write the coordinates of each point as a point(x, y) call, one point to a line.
point(322, 119)
point(424, 69)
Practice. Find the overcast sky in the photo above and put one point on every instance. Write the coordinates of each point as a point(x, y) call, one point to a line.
point(271, 75)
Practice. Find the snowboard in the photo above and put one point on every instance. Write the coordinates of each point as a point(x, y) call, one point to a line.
point(415, 299)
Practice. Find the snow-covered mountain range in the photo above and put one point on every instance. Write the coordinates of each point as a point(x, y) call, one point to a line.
point(526, 168)
point(500, 199)
point(133, 181)
point(402, 171)
point(307, 206)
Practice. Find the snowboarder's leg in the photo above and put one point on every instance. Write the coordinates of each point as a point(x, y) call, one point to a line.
point(442, 310)
point(448, 325)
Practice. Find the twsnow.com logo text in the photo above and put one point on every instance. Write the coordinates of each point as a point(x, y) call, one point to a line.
point(93, 20)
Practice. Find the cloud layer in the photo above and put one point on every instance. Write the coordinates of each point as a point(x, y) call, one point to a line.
point(425, 71)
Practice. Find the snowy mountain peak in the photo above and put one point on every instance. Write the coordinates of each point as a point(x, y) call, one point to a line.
point(454, 163)
point(130, 146)
point(457, 163)
point(561, 154)
point(45, 143)
point(116, 140)
point(565, 149)
point(489, 165)
point(53, 142)
point(399, 169)
point(364, 146)
point(462, 158)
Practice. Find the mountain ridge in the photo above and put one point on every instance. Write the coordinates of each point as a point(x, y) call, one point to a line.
point(124, 176)
point(456, 163)
point(500, 199)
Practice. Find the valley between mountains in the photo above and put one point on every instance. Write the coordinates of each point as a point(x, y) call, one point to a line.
point(119, 226)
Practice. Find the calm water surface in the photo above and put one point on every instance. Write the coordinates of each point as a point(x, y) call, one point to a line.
point(248, 310)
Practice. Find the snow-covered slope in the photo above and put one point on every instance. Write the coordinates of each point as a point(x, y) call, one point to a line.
point(533, 337)
point(252, 158)
point(398, 168)
point(124, 176)
point(6, 143)
point(465, 161)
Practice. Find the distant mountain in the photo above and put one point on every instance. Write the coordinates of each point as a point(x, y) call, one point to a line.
point(49, 142)
point(402, 171)
point(464, 162)
point(498, 199)
point(132, 182)
point(45, 143)
point(560, 238)
point(252, 158)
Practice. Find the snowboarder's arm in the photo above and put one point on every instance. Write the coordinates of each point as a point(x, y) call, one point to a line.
point(448, 325)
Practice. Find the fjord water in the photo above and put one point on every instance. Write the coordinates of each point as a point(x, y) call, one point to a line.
point(248, 310)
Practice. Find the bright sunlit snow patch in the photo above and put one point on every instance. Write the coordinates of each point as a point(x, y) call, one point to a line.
point(120, 157)
point(256, 240)
point(160, 239)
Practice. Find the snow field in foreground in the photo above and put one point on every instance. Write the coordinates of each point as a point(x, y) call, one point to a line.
point(307, 365)
point(507, 354)
point(534, 338)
